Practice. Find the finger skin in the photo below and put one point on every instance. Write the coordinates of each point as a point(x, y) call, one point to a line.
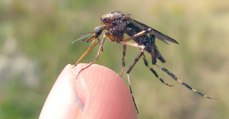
point(97, 93)
point(61, 102)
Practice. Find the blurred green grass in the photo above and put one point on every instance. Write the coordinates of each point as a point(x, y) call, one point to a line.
point(35, 44)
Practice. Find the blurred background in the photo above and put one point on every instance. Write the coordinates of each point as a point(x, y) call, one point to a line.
point(35, 45)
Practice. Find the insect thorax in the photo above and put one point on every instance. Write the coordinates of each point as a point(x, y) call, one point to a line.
point(118, 28)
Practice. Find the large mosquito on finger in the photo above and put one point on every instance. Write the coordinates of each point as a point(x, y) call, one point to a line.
point(114, 26)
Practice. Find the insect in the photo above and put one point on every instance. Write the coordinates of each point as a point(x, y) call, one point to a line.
point(114, 26)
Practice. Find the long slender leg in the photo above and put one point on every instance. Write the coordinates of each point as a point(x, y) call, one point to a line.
point(93, 44)
point(123, 59)
point(183, 83)
point(142, 47)
point(135, 35)
point(96, 57)
point(135, 61)
point(128, 77)
point(154, 72)
point(162, 68)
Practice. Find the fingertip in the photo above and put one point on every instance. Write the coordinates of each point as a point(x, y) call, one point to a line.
point(103, 94)
point(62, 100)
point(98, 93)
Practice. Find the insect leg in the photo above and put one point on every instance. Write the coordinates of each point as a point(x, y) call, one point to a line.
point(135, 35)
point(128, 77)
point(99, 50)
point(93, 44)
point(142, 47)
point(183, 83)
point(135, 61)
point(123, 59)
point(96, 57)
point(154, 72)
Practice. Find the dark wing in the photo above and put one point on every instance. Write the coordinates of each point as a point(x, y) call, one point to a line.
point(157, 33)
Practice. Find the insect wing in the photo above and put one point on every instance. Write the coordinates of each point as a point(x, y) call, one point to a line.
point(157, 33)
point(162, 36)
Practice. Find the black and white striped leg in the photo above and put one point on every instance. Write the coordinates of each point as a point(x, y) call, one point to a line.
point(128, 76)
point(183, 83)
point(123, 59)
point(154, 72)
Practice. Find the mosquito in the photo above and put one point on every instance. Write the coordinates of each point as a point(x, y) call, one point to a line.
point(113, 27)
